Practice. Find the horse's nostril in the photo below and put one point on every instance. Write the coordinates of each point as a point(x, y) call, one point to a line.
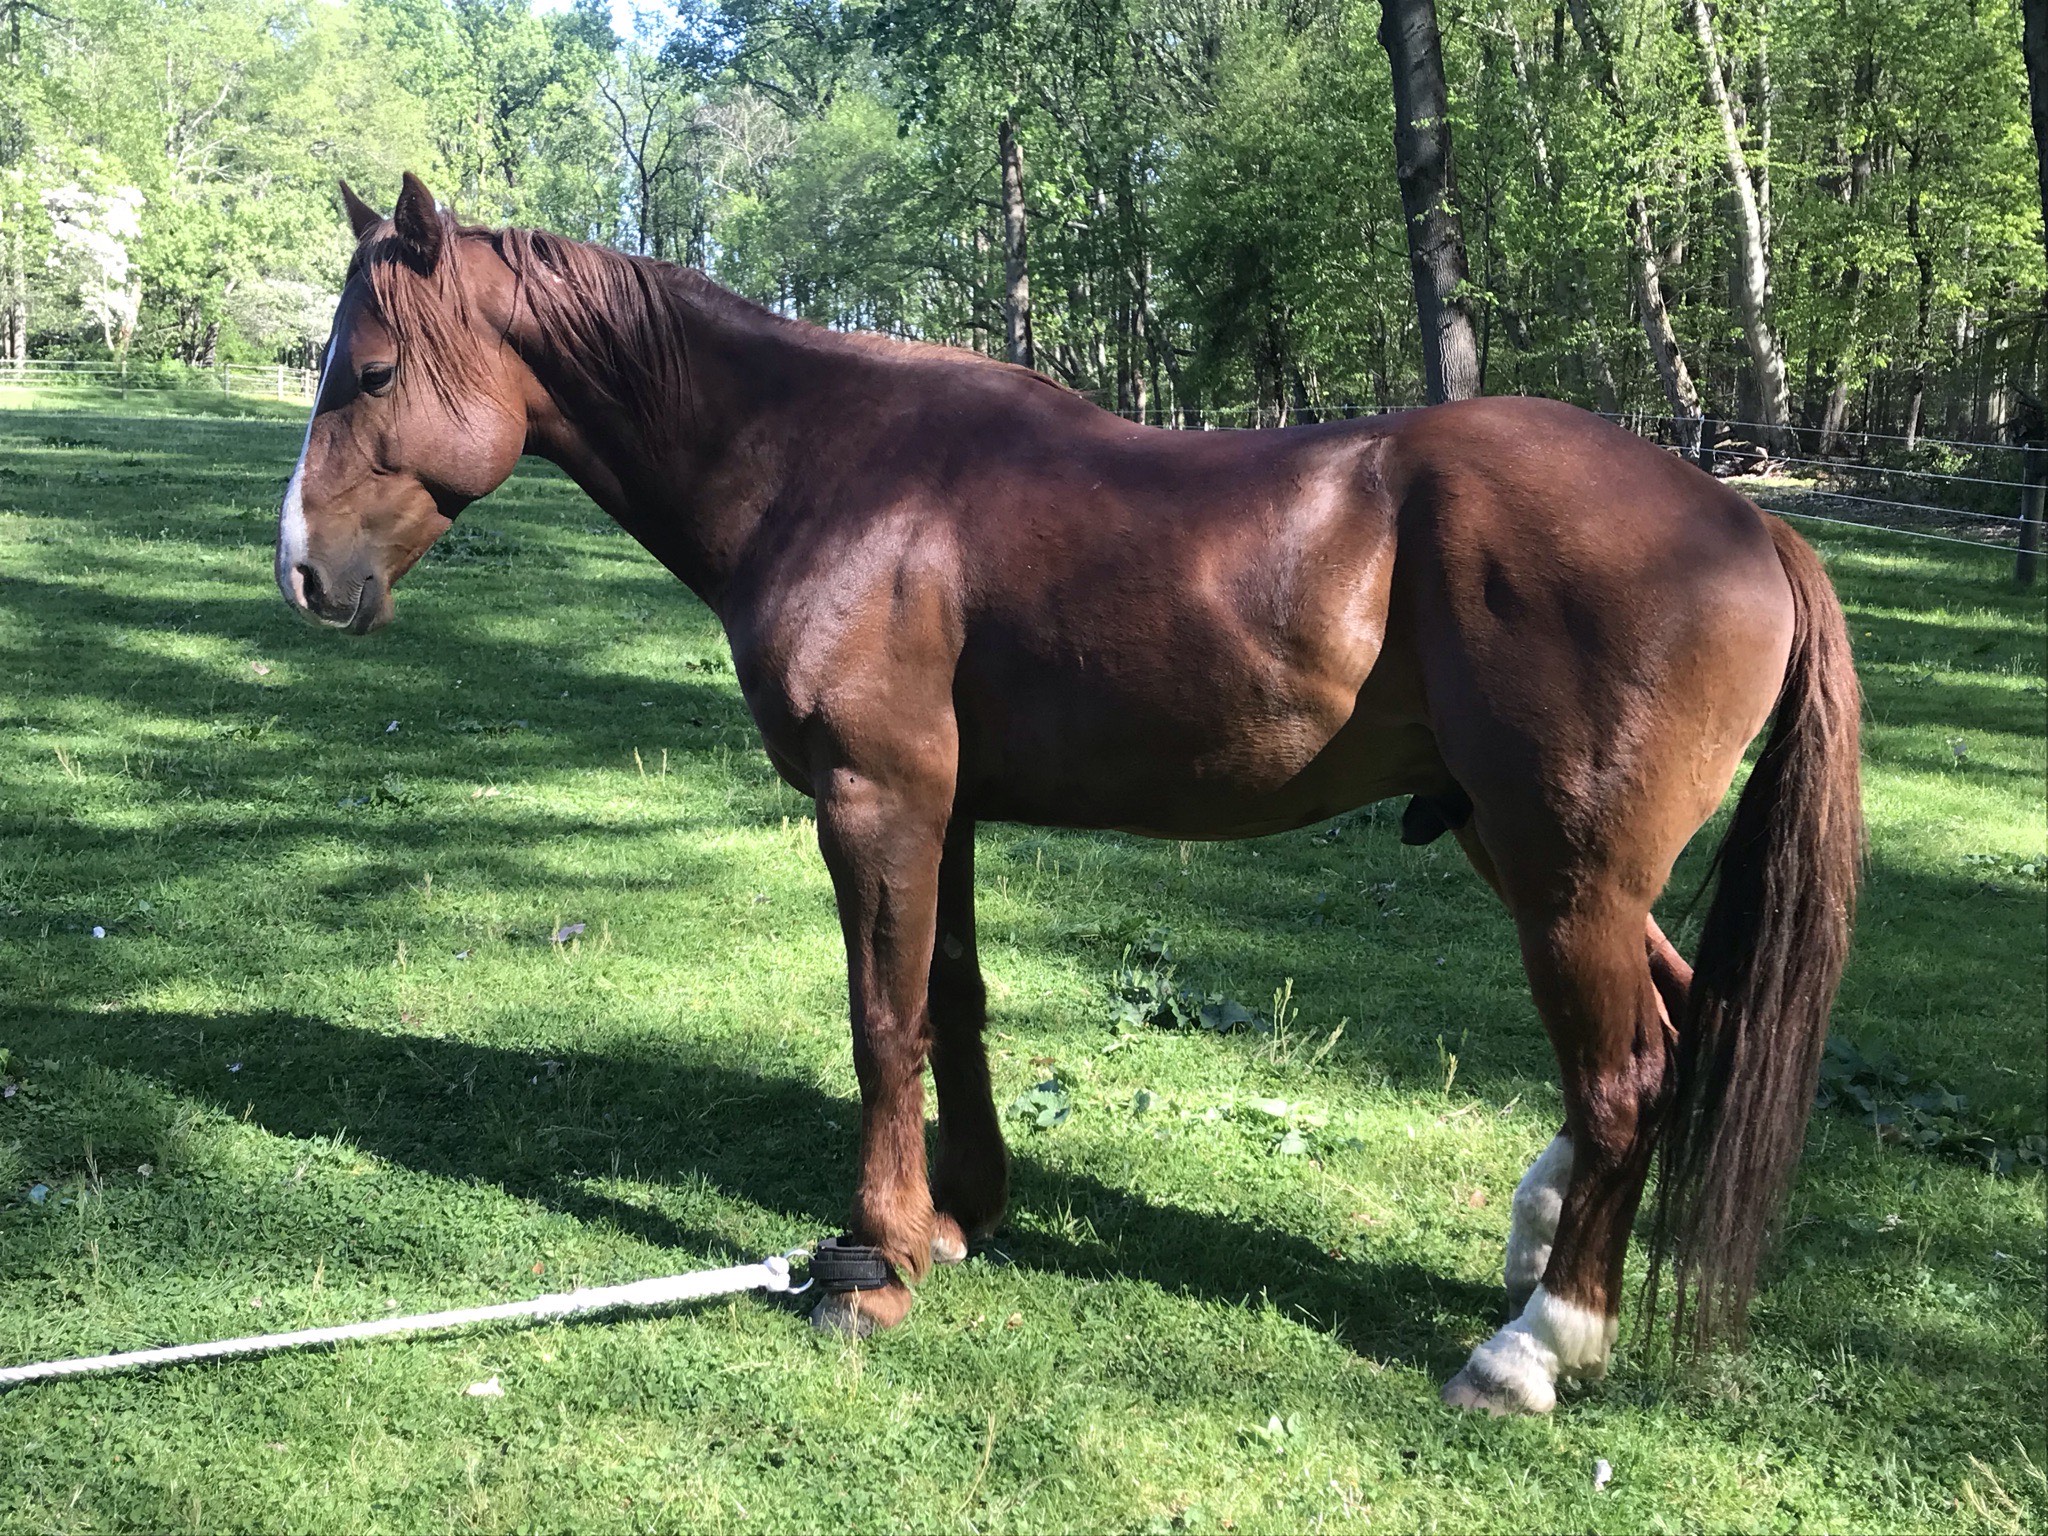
point(309, 586)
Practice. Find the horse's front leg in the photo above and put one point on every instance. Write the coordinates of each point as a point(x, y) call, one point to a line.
point(970, 1174)
point(882, 841)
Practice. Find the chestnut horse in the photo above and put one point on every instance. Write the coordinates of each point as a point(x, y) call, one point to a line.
point(957, 592)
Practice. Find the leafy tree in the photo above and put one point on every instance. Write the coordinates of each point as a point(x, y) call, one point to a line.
point(1201, 218)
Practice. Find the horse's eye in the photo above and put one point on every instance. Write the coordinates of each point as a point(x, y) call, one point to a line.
point(376, 378)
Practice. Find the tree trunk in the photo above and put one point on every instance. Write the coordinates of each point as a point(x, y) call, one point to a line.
point(1923, 260)
point(1861, 164)
point(1016, 270)
point(2036, 46)
point(1752, 274)
point(1134, 349)
point(1429, 191)
point(16, 337)
point(1158, 344)
point(1762, 112)
point(1672, 372)
point(1539, 142)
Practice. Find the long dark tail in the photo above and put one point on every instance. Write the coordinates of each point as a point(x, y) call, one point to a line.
point(1770, 956)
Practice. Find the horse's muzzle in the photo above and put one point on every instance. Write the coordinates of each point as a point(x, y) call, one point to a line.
point(358, 606)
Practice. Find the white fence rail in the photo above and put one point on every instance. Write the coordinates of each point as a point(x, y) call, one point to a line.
point(267, 381)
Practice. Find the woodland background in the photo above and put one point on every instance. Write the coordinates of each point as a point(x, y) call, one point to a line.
point(1191, 209)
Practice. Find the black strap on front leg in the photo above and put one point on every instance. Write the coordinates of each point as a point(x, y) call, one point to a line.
point(841, 1264)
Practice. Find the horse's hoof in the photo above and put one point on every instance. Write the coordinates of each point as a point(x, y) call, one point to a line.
point(1475, 1392)
point(841, 1314)
point(856, 1314)
point(949, 1243)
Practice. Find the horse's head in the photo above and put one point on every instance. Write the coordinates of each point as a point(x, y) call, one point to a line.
point(419, 411)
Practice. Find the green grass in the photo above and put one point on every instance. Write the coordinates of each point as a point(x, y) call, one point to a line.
point(326, 1063)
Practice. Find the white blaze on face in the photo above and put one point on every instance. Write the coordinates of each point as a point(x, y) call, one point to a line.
point(291, 519)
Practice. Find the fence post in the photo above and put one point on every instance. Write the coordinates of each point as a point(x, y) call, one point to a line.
point(2033, 491)
point(280, 381)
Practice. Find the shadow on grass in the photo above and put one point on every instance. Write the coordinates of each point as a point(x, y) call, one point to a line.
point(673, 1116)
point(331, 740)
point(541, 1124)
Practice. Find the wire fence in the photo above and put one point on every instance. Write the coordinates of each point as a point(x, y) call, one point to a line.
point(1908, 533)
point(1841, 434)
point(262, 381)
point(1856, 467)
point(1926, 518)
point(1971, 526)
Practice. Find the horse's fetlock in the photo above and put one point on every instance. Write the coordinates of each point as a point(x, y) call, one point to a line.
point(971, 1175)
point(900, 1225)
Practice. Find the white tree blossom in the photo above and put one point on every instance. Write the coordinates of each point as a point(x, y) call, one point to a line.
point(92, 232)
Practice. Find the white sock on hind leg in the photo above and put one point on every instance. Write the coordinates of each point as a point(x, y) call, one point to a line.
point(1539, 1199)
point(1551, 1338)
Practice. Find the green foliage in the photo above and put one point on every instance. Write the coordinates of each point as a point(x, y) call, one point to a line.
point(1148, 997)
point(1293, 280)
point(1924, 1116)
point(1045, 1105)
point(1214, 224)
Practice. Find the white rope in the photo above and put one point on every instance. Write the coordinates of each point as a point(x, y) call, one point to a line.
point(770, 1274)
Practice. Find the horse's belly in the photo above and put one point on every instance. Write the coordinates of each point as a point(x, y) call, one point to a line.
point(1193, 777)
point(1244, 685)
point(1394, 761)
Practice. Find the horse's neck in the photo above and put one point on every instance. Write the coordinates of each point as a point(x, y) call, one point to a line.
point(694, 484)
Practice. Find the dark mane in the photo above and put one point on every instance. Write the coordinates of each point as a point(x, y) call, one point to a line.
point(617, 321)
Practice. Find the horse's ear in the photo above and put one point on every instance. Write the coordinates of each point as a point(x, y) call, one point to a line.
point(418, 222)
point(361, 216)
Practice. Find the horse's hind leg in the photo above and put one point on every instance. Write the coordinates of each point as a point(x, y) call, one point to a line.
point(1668, 969)
point(1539, 1198)
point(1589, 968)
point(970, 1172)
point(1532, 1229)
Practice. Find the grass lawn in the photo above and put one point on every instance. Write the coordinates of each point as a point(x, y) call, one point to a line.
point(328, 1061)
